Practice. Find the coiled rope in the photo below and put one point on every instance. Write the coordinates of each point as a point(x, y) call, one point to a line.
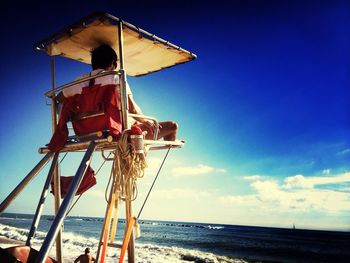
point(129, 165)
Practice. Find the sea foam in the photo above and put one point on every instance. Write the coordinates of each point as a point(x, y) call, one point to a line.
point(73, 245)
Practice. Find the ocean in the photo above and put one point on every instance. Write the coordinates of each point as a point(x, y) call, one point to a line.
point(162, 241)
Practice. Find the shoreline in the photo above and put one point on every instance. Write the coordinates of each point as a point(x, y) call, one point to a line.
point(6, 242)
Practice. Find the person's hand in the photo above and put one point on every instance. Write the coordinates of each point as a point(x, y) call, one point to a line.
point(149, 125)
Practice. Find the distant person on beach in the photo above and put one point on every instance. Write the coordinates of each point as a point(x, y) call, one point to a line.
point(104, 58)
point(85, 258)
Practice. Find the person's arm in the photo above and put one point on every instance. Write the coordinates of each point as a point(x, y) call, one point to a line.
point(145, 124)
point(134, 108)
point(77, 259)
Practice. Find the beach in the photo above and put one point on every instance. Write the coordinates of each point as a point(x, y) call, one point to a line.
point(82, 232)
point(163, 256)
point(175, 242)
point(6, 242)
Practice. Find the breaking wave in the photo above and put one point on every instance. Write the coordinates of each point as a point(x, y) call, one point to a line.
point(190, 225)
point(73, 245)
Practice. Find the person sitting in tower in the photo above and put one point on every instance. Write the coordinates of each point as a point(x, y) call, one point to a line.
point(104, 58)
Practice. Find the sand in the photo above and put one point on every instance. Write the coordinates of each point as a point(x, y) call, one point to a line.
point(6, 242)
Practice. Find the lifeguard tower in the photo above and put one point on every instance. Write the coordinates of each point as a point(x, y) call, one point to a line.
point(140, 53)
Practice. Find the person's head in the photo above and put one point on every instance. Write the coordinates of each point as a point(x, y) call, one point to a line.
point(87, 250)
point(103, 57)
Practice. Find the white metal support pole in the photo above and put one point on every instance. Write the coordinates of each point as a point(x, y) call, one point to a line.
point(56, 173)
point(124, 102)
point(124, 96)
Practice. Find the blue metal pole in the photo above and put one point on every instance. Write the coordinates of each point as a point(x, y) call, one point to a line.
point(42, 199)
point(61, 214)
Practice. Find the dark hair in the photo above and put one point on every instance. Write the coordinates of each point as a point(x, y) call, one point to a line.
point(87, 250)
point(103, 56)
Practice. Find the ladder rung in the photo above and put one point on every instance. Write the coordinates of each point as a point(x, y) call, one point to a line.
point(113, 245)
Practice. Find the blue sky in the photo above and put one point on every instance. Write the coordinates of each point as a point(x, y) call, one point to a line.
point(264, 109)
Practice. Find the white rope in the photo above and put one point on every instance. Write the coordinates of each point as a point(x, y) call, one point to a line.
point(129, 165)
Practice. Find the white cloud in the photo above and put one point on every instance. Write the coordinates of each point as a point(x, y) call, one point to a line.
point(296, 194)
point(299, 181)
point(182, 193)
point(248, 200)
point(326, 171)
point(346, 151)
point(196, 170)
point(252, 177)
point(280, 201)
point(95, 192)
point(153, 163)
